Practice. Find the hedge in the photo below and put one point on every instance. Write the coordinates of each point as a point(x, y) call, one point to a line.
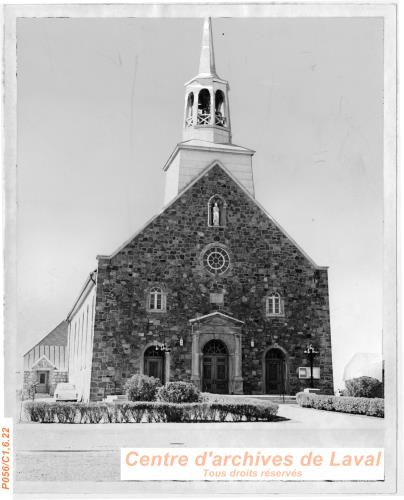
point(373, 407)
point(138, 411)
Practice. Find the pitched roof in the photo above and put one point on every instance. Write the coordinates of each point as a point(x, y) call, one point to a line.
point(85, 289)
point(58, 336)
point(189, 186)
point(198, 144)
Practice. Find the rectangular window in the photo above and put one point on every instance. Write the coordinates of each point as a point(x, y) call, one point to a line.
point(304, 372)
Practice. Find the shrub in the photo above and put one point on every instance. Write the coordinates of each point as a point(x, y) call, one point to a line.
point(178, 392)
point(373, 407)
point(142, 388)
point(30, 391)
point(303, 399)
point(364, 387)
point(148, 411)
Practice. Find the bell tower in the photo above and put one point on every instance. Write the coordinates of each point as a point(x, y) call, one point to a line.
point(206, 115)
point(206, 130)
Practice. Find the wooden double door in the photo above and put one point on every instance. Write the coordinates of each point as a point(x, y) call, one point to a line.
point(154, 363)
point(215, 368)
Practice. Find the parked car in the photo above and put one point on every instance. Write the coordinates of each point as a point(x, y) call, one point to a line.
point(66, 392)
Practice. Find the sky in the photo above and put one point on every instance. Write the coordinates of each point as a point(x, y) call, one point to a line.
point(100, 108)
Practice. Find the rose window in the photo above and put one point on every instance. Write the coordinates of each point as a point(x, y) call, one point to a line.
point(216, 260)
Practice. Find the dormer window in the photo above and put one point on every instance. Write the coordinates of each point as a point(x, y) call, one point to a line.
point(156, 301)
point(274, 305)
point(217, 211)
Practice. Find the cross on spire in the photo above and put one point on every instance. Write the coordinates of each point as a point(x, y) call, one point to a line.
point(207, 60)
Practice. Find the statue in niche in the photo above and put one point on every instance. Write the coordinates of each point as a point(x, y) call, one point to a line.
point(216, 214)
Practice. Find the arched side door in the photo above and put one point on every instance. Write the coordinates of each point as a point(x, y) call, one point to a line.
point(154, 363)
point(275, 372)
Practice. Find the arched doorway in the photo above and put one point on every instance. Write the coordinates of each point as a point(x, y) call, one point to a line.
point(275, 372)
point(154, 363)
point(215, 372)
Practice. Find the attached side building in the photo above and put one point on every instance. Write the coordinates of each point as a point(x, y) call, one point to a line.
point(80, 337)
point(46, 364)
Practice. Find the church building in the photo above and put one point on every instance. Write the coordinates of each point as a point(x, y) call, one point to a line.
point(212, 289)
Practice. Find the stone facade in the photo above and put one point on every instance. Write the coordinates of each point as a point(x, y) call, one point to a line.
point(55, 376)
point(167, 253)
point(212, 278)
point(49, 358)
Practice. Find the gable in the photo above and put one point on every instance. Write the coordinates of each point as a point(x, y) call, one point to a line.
point(43, 363)
point(57, 336)
point(216, 318)
point(244, 210)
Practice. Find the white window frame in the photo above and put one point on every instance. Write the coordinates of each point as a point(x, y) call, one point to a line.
point(152, 300)
point(270, 307)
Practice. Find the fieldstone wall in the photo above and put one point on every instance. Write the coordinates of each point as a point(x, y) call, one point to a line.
point(55, 377)
point(29, 378)
point(168, 253)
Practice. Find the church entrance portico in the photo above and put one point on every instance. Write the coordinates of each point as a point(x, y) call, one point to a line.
point(216, 353)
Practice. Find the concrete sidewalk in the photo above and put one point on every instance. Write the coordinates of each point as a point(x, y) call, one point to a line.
point(90, 452)
point(300, 427)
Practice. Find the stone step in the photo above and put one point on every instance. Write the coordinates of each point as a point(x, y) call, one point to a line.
point(116, 398)
point(275, 398)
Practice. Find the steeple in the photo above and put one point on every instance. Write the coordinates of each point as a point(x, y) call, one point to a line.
point(207, 60)
point(207, 115)
point(206, 135)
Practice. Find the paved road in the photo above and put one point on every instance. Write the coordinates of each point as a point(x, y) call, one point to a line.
point(64, 452)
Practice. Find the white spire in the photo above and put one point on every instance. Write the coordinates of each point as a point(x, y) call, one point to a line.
point(207, 61)
point(206, 133)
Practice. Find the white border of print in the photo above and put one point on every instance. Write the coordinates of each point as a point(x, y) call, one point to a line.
point(392, 345)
